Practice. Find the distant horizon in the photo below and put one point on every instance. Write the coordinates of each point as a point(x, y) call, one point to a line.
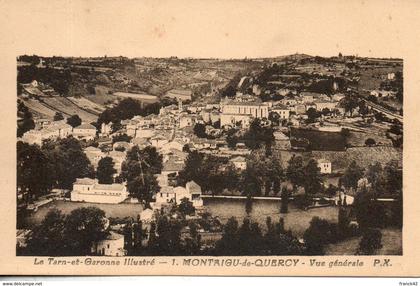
point(211, 58)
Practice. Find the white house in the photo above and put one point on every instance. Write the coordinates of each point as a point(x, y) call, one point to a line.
point(54, 130)
point(325, 166)
point(321, 104)
point(180, 94)
point(112, 245)
point(85, 131)
point(166, 195)
point(94, 155)
point(239, 162)
point(282, 110)
point(118, 157)
point(186, 121)
point(241, 111)
point(158, 141)
point(192, 192)
point(106, 129)
point(147, 215)
point(89, 190)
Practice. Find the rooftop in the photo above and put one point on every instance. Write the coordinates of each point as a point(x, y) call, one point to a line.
point(85, 126)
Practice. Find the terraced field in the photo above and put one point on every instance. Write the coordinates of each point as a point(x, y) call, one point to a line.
point(68, 108)
point(87, 105)
point(39, 109)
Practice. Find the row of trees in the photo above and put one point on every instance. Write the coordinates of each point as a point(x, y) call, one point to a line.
point(26, 121)
point(55, 164)
point(59, 80)
point(67, 235)
point(128, 108)
point(255, 137)
point(139, 170)
point(385, 180)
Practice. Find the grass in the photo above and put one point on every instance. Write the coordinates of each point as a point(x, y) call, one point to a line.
point(111, 210)
point(319, 140)
point(391, 244)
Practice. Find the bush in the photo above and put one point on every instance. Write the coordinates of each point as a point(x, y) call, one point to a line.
point(370, 142)
point(370, 242)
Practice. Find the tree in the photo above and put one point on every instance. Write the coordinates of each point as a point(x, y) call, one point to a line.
point(352, 175)
point(370, 142)
point(376, 176)
point(231, 138)
point(58, 116)
point(48, 237)
point(363, 108)
point(143, 187)
point(274, 117)
point(192, 168)
point(121, 138)
point(258, 135)
point(74, 120)
point(312, 115)
point(368, 212)
point(34, 171)
point(140, 161)
point(105, 172)
point(84, 226)
point(168, 238)
point(312, 177)
point(200, 130)
point(349, 103)
point(370, 242)
point(393, 177)
point(326, 111)
point(295, 171)
point(316, 236)
point(266, 169)
point(284, 201)
point(68, 161)
point(186, 207)
point(26, 123)
point(228, 244)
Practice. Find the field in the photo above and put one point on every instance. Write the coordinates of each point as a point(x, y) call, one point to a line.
point(391, 244)
point(68, 108)
point(87, 104)
point(319, 140)
point(341, 159)
point(370, 77)
point(111, 210)
point(363, 156)
point(357, 139)
point(38, 109)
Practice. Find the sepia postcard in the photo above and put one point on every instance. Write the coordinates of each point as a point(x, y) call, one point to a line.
point(231, 137)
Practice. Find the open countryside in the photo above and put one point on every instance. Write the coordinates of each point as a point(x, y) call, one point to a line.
point(291, 155)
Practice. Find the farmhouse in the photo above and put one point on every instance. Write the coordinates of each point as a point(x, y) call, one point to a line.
point(85, 131)
point(192, 192)
point(54, 130)
point(239, 162)
point(282, 111)
point(180, 94)
point(112, 245)
point(324, 166)
point(89, 190)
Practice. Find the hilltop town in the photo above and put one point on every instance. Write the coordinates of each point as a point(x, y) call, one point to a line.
point(166, 155)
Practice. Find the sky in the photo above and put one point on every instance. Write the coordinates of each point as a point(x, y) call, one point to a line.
point(211, 28)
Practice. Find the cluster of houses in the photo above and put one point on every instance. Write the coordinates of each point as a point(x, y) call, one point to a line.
point(59, 129)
